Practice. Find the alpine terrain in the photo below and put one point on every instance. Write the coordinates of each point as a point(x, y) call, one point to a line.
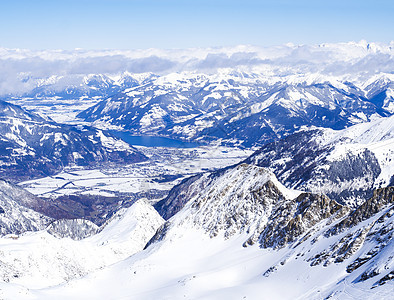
point(219, 173)
point(245, 234)
point(241, 108)
point(32, 146)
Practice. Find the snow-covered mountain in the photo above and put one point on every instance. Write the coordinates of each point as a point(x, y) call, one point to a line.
point(243, 197)
point(239, 107)
point(81, 86)
point(239, 95)
point(310, 215)
point(16, 211)
point(40, 259)
point(346, 165)
point(31, 146)
point(245, 235)
point(380, 91)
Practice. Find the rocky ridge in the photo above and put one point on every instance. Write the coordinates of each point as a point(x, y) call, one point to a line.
point(16, 213)
point(248, 201)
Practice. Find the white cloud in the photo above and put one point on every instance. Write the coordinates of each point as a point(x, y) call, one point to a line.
point(21, 70)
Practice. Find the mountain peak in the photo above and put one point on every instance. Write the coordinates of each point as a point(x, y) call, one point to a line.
point(232, 201)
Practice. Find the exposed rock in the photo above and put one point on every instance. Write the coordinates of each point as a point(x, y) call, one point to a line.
point(16, 215)
point(380, 198)
point(76, 229)
point(385, 279)
point(291, 218)
point(179, 195)
point(377, 230)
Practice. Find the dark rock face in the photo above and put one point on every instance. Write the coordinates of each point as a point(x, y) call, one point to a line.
point(385, 279)
point(353, 167)
point(159, 235)
point(300, 162)
point(290, 219)
point(299, 154)
point(380, 198)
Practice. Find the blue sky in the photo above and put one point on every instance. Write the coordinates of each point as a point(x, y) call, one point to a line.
point(139, 24)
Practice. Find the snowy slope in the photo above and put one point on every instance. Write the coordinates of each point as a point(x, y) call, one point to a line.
point(129, 229)
point(380, 90)
point(321, 249)
point(41, 260)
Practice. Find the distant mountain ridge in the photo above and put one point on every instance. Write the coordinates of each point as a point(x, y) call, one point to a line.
point(84, 86)
point(239, 108)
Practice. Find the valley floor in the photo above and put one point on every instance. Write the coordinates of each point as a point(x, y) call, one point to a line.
point(166, 168)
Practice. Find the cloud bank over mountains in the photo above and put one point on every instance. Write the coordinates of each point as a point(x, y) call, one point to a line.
point(23, 70)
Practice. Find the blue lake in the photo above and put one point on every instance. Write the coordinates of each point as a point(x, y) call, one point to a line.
point(153, 141)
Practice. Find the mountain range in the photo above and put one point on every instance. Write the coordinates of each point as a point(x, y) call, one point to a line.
point(32, 146)
point(308, 215)
point(241, 109)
